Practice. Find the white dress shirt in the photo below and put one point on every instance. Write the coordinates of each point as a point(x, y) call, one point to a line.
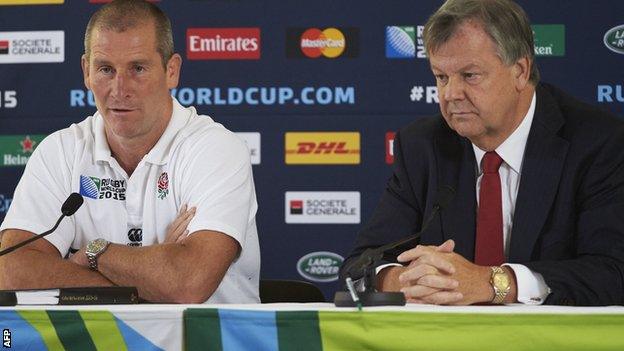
point(531, 286)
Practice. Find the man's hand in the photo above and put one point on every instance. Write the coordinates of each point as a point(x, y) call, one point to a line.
point(437, 275)
point(176, 231)
point(80, 258)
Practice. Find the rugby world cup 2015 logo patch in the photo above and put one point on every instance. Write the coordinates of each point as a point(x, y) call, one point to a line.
point(163, 185)
point(102, 188)
point(89, 186)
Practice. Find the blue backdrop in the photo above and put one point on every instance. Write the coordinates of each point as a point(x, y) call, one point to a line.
point(367, 89)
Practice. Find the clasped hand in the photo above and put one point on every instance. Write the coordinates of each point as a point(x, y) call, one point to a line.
point(437, 275)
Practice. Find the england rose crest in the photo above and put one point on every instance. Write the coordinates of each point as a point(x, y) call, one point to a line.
point(163, 185)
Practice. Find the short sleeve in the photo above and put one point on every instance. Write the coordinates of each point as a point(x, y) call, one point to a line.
point(40, 193)
point(216, 177)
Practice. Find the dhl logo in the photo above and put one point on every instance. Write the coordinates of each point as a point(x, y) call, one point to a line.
point(322, 148)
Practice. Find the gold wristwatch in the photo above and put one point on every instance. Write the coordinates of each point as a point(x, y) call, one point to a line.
point(501, 283)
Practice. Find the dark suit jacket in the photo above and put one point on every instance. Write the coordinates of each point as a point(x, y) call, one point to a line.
point(568, 223)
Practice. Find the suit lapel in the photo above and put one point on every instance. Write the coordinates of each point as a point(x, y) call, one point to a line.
point(544, 158)
point(456, 167)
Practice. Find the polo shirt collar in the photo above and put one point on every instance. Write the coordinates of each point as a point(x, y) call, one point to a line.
point(159, 154)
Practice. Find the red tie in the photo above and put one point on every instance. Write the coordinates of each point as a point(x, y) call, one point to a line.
point(489, 242)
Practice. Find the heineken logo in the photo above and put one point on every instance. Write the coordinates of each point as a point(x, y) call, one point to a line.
point(15, 150)
point(321, 266)
point(549, 39)
point(614, 39)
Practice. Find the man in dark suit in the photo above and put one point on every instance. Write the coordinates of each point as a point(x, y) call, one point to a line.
point(538, 215)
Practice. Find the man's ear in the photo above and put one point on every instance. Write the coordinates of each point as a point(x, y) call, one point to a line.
point(173, 71)
point(522, 72)
point(84, 62)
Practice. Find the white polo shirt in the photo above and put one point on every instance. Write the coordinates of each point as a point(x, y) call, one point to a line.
point(196, 162)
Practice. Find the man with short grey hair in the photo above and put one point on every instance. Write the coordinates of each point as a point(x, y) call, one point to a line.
point(139, 161)
point(538, 175)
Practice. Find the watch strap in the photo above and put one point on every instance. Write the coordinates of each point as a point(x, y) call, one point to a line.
point(499, 294)
point(92, 256)
point(92, 261)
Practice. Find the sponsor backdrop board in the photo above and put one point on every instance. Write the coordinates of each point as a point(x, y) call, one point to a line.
point(315, 88)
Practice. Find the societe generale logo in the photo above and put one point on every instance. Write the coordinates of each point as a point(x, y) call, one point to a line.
point(322, 148)
point(322, 207)
point(223, 43)
point(390, 147)
point(296, 207)
point(4, 47)
point(32, 46)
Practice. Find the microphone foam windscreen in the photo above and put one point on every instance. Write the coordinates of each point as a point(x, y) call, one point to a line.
point(72, 204)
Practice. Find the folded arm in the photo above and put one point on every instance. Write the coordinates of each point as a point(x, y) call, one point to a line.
point(183, 272)
point(39, 265)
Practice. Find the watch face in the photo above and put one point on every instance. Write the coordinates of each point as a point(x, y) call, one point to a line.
point(501, 281)
point(96, 245)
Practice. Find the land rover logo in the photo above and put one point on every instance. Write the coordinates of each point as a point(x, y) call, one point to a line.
point(321, 266)
point(614, 39)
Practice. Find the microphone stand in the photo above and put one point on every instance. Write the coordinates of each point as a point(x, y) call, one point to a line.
point(366, 264)
point(370, 296)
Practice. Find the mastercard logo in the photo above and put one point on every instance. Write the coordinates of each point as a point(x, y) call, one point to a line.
point(329, 43)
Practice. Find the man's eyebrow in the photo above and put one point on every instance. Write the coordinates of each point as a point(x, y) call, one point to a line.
point(105, 62)
point(140, 62)
point(469, 66)
point(464, 68)
point(100, 62)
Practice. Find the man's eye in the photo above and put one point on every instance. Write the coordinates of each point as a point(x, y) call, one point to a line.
point(105, 70)
point(470, 75)
point(441, 78)
point(139, 69)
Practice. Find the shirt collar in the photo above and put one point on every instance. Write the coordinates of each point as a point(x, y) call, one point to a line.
point(159, 154)
point(512, 149)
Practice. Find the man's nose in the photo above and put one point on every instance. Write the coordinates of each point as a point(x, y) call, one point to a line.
point(121, 86)
point(454, 89)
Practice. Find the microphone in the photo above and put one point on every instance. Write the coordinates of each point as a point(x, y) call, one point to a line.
point(70, 206)
point(363, 268)
point(358, 269)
